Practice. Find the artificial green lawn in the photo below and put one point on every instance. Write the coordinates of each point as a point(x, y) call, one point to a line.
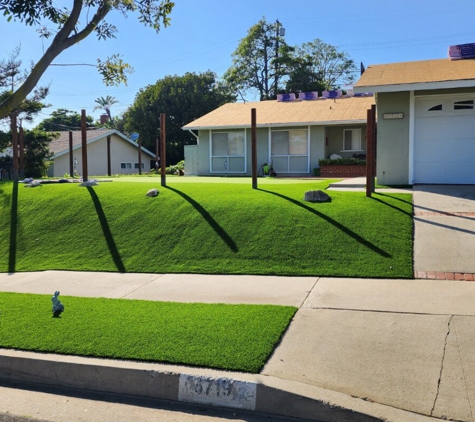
point(201, 226)
point(231, 337)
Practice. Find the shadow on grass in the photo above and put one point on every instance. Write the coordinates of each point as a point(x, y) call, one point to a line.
point(392, 206)
point(13, 229)
point(209, 219)
point(393, 197)
point(334, 223)
point(107, 232)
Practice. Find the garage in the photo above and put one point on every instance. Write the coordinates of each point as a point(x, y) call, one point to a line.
point(444, 139)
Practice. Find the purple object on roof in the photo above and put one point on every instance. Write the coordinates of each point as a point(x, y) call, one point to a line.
point(286, 97)
point(336, 93)
point(308, 95)
point(462, 51)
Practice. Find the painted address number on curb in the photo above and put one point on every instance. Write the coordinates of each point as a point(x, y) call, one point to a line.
point(217, 391)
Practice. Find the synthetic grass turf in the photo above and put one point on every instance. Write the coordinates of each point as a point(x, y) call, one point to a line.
point(230, 337)
point(197, 227)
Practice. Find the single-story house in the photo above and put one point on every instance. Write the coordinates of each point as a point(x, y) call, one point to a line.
point(292, 135)
point(123, 154)
point(426, 120)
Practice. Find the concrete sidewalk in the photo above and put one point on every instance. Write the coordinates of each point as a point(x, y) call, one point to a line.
point(357, 349)
point(444, 231)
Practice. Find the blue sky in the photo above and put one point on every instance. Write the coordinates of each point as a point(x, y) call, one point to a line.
point(203, 35)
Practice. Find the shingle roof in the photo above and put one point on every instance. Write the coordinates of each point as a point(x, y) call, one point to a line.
point(418, 72)
point(62, 143)
point(273, 113)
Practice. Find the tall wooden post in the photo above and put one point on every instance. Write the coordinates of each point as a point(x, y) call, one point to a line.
point(71, 159)
point(109, 166)
point(15, 146)
point(22, 152)
point(140, 155)
point(84, 146)
point(370, 122)
point(163, 161)
point(375, 140)
point(254, 147)
point(157, 154)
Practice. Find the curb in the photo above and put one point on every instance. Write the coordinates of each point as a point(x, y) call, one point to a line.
point(258, 393)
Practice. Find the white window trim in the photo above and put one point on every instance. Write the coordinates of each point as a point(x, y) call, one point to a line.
point(125, 164)
point(211, 156)
point(361, 140)
point(293, 155)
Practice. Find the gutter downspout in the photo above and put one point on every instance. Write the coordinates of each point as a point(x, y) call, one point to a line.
point(195, 135)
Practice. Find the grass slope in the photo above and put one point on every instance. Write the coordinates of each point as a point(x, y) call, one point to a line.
point(205, 228)
point(231, 337)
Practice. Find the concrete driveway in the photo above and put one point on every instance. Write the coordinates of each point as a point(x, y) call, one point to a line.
point(444, 231)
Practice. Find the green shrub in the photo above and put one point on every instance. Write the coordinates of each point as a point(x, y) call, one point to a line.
point(180, 166)
point(342, 162)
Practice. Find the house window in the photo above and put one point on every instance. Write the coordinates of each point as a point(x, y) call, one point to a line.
point(437, 107)
point(228, 152)
point(136, 165)
point(352, 140)
point(463, 105)
point(289, 151)
point(125, 165)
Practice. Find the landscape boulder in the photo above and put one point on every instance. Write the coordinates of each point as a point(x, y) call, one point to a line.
point(152, 192)
point(316, 196)
point(89, 183)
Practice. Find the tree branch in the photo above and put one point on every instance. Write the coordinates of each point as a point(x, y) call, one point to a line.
point(61, 42)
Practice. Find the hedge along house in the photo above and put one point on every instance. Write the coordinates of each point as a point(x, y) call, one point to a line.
point(123, 152)
point(426, 121)
point(292, 135)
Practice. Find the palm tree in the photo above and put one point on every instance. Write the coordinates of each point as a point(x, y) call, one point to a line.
point(105, 104)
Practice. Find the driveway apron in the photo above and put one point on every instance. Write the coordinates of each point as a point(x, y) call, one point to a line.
point(444, 231)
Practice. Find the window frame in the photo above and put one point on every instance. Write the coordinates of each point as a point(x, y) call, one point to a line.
point(305, 129)
point(125, 165)
point(228, 156)
point(352, 130)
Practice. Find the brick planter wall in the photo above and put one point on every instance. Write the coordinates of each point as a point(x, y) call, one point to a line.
point(343, 171)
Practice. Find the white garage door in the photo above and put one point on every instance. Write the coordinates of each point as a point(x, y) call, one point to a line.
point(444, 140)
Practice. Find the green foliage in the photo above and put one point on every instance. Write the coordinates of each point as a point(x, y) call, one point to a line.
point(70, 31)
point(11, 76)
point(37, 152)
point(230, 337)
point(260, 58)
point(183, 99)
point(320, 66)
point(219, 227)
point(342, 162)
point(63, 119)
point(263, 59)
point(105, 103)
point(177, 168)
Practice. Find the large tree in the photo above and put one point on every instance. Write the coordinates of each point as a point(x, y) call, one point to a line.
point(71, 30)
point(261, 61)
point(183, 99)
point(63, 119)
point(319, 66)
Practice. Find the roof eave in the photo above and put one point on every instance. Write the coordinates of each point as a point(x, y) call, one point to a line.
point(286, 124)
point(465, 83)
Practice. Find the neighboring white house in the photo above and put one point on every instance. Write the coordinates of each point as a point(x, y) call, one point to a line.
point(426, 121)
point(123, 154)
point(292, 135)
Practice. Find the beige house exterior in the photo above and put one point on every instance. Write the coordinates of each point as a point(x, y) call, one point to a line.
point(426, 121)
point(292, 135)
point(123, 154)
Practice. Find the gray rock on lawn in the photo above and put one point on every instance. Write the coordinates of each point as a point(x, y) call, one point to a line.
point(152, 193)
point(89, 183)
point(316, 196)
point(33, 184)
